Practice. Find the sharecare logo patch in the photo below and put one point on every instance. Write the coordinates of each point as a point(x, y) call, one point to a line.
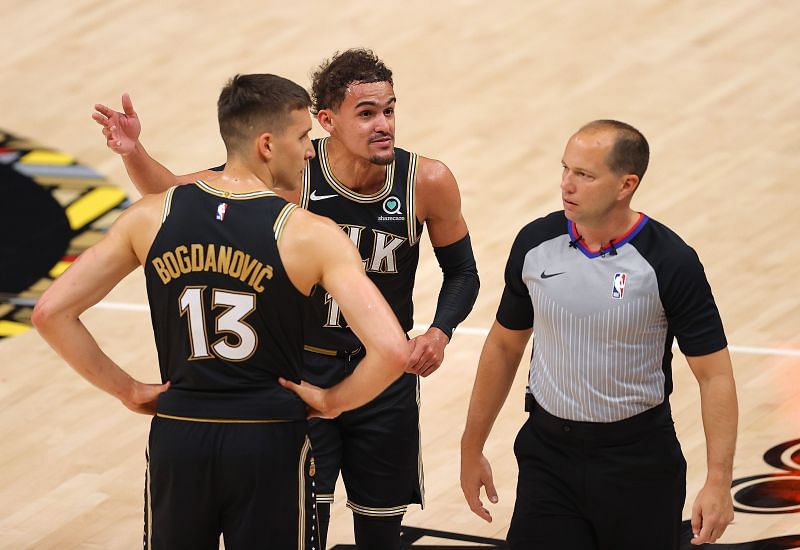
point(392, 206)
point(618, 288)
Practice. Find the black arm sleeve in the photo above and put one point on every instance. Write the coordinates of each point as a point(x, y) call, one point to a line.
point(459, 287)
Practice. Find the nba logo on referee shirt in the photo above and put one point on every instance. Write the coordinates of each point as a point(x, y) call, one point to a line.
point(221, 209)
point(618, 289)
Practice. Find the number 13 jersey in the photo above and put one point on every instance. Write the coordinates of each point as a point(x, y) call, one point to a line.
point(227, 320)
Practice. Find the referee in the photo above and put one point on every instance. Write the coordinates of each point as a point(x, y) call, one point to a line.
point(605, 289)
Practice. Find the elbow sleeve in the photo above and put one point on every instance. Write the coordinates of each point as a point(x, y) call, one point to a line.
point(459, 287)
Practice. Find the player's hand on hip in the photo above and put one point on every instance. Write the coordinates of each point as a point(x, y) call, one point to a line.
point(476, 472)
point(144, 397)
point(427, 352)
point(121, 130)
point(712, 513)
point(314, 396)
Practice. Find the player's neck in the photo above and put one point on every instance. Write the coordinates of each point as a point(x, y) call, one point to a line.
point(238, 183)
point(354, 172)
point(598, 234)
point(237, 177)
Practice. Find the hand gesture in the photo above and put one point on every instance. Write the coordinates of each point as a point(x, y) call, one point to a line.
point(144, 397)
point(427, 352)
point(120, 129)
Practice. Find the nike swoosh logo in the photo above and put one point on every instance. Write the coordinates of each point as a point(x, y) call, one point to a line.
point(315, 197)
point(548, 275)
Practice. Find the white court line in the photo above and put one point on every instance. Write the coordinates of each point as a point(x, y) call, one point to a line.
point(474, 331)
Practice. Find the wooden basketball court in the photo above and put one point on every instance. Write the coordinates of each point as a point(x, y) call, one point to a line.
point(492, 89)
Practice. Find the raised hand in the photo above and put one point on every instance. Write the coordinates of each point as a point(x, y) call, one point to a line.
point(120, 129)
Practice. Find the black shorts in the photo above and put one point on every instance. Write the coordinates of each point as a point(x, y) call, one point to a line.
point(589, 486)
point(376, 447)
point(252, 482)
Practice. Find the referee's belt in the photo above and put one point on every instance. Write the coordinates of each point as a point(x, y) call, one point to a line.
point(335, 352)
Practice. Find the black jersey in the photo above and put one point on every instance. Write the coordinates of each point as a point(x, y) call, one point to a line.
point(227, 320)
point(384, 228)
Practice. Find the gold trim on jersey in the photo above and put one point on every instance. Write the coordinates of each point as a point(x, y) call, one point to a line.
point(234, 196)
point(411, 195)
point(333, 352)
point(324, 499)
point(377, 512)
point(345, 191)
point(167, 203)
point(148, 501)
point(222, 420)
point(420, 473)
point(305, 189)
point(301, 496)
point(280, 220)
point(321, 351)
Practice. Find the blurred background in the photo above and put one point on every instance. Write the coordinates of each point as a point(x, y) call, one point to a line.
point(494, 90)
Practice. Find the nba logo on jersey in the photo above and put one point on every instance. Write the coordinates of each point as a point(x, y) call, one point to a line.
point(618, 289)
point(221, 209)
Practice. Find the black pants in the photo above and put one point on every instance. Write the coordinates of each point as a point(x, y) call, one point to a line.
point(250, 482)
point(375, 447)
point(589, 486)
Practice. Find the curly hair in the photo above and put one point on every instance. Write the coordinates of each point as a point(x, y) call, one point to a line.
point(331, 79)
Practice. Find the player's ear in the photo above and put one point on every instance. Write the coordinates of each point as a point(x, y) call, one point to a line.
point(264, 144)
point(325, 119)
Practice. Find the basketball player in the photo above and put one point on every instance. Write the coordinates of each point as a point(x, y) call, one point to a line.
point(229, 265)
point(381, 196)
point(604, 289)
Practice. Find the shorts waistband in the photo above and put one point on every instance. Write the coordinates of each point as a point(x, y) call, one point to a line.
point(334, 352)
point(603, 432)
point(225, 420)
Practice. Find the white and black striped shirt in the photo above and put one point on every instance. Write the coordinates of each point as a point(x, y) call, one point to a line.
point(604, 322)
